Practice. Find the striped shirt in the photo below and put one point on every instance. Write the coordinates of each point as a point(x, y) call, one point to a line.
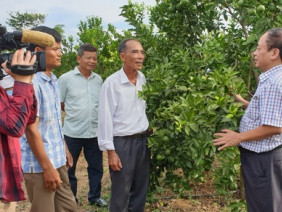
point(49, 125)
point(265, 108)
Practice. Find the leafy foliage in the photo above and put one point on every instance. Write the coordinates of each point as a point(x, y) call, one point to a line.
point(25, 20)
point(60, 28)
point(198, 54)
point(105, 40)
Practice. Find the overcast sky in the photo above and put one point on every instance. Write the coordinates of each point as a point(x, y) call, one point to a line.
point(69, 12)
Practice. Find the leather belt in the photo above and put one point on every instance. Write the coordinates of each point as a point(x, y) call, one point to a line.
point(144, 134)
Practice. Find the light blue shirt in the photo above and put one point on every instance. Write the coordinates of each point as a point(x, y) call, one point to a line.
point(49, 126)
point(265, 108)
point(81, 100)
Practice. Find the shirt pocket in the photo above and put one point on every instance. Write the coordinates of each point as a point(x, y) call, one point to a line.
point(253, 110)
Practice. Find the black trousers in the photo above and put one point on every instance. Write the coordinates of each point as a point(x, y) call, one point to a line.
point(129, 186)
point(94, 159)
point(262, 173)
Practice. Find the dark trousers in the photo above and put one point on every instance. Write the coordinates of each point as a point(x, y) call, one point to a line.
point(262, 173)
point(129, 186)
point(93, 156)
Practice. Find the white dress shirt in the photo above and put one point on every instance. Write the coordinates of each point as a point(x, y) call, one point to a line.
point(121, 111)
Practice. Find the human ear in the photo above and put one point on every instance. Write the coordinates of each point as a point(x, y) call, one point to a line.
point(122, 56)
point(39, 49)
point(275, 53)
point(78, 59)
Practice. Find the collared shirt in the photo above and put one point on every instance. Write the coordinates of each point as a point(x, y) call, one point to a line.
point(121, 111)
point(265, 108)
point(49, 125)
point(81, 100)
point(15, 113)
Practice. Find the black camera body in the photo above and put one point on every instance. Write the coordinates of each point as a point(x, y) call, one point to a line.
point(10, 41)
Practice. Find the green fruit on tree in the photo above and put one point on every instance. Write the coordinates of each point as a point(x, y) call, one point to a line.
point(233, 186)
point(194, 7)
point(167, 152)
point(260, 8)
point(184, 3)
point(166, 138)
point(241, 3)
point(251, 11)
point(160, 157)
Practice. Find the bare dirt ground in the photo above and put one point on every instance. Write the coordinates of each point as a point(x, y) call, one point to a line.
point(166, 201)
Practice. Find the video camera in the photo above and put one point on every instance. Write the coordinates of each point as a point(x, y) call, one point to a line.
point(10, 41)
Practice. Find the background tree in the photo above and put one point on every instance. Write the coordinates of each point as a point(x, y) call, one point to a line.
point(25, 20)
point(106, 40)
point(60, 29)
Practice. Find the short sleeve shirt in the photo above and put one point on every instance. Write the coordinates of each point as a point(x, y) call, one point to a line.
point(265, 108)
point(49, 126)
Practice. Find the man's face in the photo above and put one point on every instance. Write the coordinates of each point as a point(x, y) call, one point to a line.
point(88, 61)
point(262, 56)
point(53, 56)
point(134, 55)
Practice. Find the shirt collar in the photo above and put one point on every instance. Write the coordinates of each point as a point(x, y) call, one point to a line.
point(77, 72)
point(45, 77)
point(124, 78)
point(271, 72)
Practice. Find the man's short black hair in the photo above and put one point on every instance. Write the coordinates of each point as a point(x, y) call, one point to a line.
point(87, 47)
point(47, 30)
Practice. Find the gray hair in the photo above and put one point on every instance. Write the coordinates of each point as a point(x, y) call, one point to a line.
point(274, 39)
point(122, 45)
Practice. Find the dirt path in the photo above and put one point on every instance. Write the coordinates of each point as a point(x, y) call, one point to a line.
point(209, 204)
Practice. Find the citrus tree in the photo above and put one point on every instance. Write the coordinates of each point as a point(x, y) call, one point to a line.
point(198, 55)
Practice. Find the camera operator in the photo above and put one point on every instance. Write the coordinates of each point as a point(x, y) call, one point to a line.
point(15, 113)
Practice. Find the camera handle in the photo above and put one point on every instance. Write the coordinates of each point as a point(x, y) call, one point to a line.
point(24, 70)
